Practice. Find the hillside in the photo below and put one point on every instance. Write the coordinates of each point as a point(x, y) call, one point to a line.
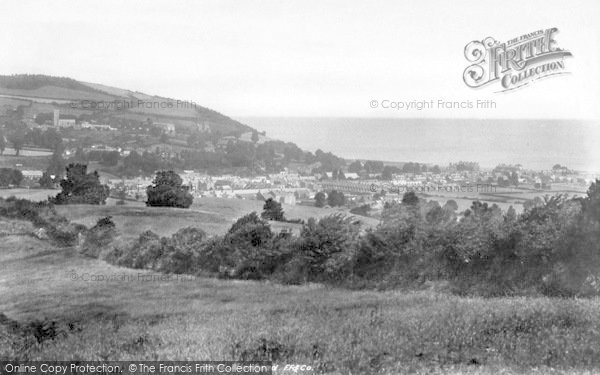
point(138, 314)
point(41, 93)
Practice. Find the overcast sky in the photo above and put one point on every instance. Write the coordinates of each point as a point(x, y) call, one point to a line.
point(302, 58)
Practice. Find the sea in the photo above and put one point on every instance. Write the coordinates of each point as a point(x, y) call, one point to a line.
point(536, 144)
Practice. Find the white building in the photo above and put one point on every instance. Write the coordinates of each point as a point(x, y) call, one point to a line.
point(66, 123)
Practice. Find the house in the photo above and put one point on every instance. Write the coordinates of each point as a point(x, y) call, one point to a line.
point(33, 174)
point(98, 127)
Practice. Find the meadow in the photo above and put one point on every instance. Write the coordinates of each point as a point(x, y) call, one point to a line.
point(213, 215)
point(59, 304)
point(35, 195)
point(103, 312)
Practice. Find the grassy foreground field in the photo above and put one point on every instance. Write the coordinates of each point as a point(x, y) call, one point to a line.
point(213, 215)
point(104, 312)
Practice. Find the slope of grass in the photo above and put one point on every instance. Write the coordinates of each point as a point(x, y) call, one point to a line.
point(104, 312)
point(213, 215)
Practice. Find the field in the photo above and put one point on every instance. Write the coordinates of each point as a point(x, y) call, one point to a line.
point(23, 161)
point(30, 194)
point(27, 152)
point(213, 215)
point(104, 312)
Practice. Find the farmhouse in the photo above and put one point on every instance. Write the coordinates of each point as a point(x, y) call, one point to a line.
point(66, 123)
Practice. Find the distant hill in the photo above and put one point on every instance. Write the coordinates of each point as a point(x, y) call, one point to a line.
point(41, 93)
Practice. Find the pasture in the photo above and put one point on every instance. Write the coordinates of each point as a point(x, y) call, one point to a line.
point(103, 312)
point(213, 215)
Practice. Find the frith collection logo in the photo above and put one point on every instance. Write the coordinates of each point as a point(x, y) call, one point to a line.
point(516, 62)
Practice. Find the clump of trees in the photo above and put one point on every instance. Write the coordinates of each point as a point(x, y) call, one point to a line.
point(272, 211)
point(43, 216)
point(81, 187)
point(167, 190)
point(320, 199)
point(336, 198)
point(17, 138)
point(98, 237)
point(10, 177)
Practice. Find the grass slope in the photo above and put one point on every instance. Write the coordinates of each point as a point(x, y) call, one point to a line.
point(41, 88)
point(110, 313)
point(213, 215)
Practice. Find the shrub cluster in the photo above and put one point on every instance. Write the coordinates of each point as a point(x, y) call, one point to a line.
point(44, 216)
point(99, 237)
point(167, 190)
point(248, 251)
point(80, 187)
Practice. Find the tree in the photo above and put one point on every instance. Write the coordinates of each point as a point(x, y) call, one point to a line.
point(9, 176)
point(2, 143)
point(272, 211)
point(251, 218)
point(326, 245)
point(81, 187)
point(340, 175)
point(361, 210)
point(336, 198)
point(46, 181)
point(51, 139)
point(355, 167)
point(56, 165)
point(320, 199)
point(17, 139)
point(591, 203)
point(121, 194)
point(374, 166)
point(255, 136)
point(410, 198)
point(388, 172)
point(451, 205)
point(164, 137)
point(167, 191)
point(245, 251)
point(514, 178)
point(110, 158)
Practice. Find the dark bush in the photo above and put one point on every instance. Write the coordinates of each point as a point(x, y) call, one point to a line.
point(272, 211)
point(144, 253)
point(81, 187)
point(42, 215)
point(167, 191)
point(99, 237)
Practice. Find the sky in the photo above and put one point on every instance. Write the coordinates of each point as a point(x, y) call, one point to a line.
point(324, 58)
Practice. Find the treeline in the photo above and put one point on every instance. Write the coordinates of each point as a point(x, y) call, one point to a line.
point(49, 225)
point(10, 177)
point(19, 135)
point(35, 81)
point(268, 157)
point(386, 172)
point(552, 248)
